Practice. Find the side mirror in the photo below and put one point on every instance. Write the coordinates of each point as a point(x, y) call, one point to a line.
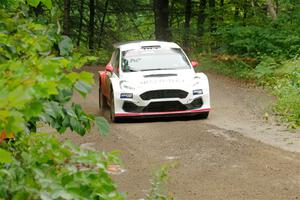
point(194, 63)
point(109, 68)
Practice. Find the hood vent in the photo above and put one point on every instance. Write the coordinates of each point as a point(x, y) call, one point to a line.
point(159, 75)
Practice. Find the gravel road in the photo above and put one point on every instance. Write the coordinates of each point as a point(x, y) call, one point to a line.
point(234, 154)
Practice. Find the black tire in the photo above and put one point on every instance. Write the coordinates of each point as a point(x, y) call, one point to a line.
point(102, 102)
point(203, 115)
point(112, 108)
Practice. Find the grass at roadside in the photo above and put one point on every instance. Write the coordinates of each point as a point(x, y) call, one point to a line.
point(281, 78)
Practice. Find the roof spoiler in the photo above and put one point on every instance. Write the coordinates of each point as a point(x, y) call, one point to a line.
point(151, 47)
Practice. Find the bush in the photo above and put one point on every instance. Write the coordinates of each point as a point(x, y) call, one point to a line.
point(282, 78)
point(37, 81)
point(255, 41)
point(44, 168)
point(287, 89)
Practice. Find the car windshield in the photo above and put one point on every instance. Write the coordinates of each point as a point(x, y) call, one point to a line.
point(147, 59)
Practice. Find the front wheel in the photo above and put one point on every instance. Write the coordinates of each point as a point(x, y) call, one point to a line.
point(203, 115)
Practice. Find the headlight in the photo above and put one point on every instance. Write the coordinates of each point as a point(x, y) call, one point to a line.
point(126, 85)
point(197, 92)
point(126, 95)
point(197, 80)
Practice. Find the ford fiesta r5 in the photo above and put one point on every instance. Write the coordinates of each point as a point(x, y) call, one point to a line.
point(152, 78)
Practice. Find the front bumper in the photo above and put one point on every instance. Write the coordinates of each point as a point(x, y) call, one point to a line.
point(162, 106)
point(170, 113)
point(188, 105)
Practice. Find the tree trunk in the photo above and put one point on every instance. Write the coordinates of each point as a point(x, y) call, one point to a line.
point(236, 13)
point(277, 6)
point(271, 9)
point(171, 13)
point(253, 4)
point(212, 18)
point(161, 16)
point(102, 22)
point(80, 21)
point(201, 17)
point(67, 21)
point(188, 13)
point(222, 3)
point(245, 12)
point(91, 24)
point(222, 9)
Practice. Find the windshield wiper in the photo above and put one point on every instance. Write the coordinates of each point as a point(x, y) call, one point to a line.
point(152, 69)
point(161, 69)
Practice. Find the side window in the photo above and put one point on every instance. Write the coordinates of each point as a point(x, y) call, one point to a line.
point(116, 61)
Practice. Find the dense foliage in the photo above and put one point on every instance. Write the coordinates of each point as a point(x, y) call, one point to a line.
point(37, 81)
point(252, 39)
point(282, 78)
point(255, 31)
point(44, 168)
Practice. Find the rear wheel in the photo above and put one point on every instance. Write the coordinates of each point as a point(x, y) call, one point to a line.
point(102, 101)
point(112, 108)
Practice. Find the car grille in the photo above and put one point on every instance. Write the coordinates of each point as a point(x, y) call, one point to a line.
point(165, 106)
point(163, 94)
point(131, 107)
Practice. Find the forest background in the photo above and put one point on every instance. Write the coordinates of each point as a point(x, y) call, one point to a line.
point(44, 42)
point(250, 39)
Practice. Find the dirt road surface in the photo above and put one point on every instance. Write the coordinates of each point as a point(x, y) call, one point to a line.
point(234, 154)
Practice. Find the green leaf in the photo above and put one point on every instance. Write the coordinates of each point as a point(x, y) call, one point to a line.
point(48, 3)
point(33, 109)
point(18, 97)
point(33, 3)
point(102, 125)
point(65, 46)
point(71, 112)
point(66, 122)
point(21, 195)
point(76, 126)
point(5, 156)
point(86, 77)
point(82, 87)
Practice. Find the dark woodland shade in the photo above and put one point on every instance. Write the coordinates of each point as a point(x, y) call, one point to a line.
point(161, 14)
point(100, 23)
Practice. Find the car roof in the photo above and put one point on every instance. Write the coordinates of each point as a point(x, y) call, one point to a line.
point(123, 46)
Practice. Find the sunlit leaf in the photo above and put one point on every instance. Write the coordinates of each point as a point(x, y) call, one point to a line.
point(33, 3)
point(5, 156)
point(48, 3)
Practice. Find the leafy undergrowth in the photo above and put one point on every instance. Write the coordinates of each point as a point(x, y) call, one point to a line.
point(37, 81)
point(231, 66)
point(44, 168)
point(282, 78)
point(161, 176)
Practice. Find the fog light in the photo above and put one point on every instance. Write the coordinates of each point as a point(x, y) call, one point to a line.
point(126, 96)
point(197, 92)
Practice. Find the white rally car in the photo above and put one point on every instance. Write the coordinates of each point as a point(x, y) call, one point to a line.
point(152, 78)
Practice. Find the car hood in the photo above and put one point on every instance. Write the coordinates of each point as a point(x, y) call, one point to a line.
point(161, 78)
